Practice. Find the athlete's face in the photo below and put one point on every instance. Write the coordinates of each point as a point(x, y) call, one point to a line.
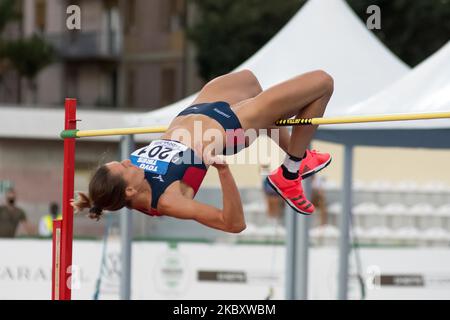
point(132, 175)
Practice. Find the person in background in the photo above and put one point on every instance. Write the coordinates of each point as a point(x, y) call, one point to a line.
point(274, 203)
point(11, 216)
point(46, 222)
point(318, 198)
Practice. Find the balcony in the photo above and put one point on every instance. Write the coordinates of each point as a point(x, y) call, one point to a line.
point(87, 45)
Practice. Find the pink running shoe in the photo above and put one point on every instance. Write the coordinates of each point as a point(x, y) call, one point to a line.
point(291, 191)
point(313, 163)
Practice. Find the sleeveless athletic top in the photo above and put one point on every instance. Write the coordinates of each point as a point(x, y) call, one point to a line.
point(165, 161)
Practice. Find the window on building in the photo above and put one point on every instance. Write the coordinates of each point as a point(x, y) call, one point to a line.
point(114, 80)
point(130, 93)
point(109, 4)
point(40, 8)
point(168, 86)
point(72, 80)
point(172, 15)
point(130, 15)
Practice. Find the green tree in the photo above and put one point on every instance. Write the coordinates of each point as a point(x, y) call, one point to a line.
point(230, 31)
point(413, 30)
point(29, 56)
point(227, 32)
point(8, 13)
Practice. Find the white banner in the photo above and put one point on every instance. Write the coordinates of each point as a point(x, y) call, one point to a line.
point(221, 271)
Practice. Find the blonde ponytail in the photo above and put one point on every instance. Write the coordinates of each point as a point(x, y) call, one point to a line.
point(82, 202)
point(106, 192)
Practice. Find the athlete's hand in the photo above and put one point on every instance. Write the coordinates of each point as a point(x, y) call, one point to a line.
point(217, 161)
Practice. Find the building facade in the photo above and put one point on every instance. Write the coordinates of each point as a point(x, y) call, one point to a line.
point(128, 54)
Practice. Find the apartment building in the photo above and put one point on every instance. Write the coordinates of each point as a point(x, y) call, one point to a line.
point(159, 63)
point(128, 54)
point(9, 78)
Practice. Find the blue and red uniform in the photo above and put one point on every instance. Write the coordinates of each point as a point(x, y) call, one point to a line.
point(163, 165)
point(165, 161)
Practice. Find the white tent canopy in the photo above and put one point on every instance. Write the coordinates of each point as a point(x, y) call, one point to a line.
point(322, 35)
point(425, 89)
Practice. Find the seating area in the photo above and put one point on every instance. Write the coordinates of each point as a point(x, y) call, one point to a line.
point(383, 213)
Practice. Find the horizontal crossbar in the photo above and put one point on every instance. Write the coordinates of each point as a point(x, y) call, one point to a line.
point(360, 119)
point(282, 123)
point(111, 132)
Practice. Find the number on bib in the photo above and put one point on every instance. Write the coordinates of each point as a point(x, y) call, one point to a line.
point(157, 156)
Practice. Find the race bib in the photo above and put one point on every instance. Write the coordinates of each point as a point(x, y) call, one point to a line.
point(157, 156)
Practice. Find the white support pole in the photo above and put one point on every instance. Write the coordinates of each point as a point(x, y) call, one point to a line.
point(291, 228)
point(297, 245)
point(126, 223)
point(344, 240)
point(303, 224)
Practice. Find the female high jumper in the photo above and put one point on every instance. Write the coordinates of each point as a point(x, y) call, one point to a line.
point(163, 178)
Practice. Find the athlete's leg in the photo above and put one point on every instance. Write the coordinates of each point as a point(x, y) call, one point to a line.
point(237, 88)
point(283, 137)
point(303, 96)
point(232, 88)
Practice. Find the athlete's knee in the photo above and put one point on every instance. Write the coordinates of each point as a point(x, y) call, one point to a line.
point(251, 82)
point(325, 80)
point(236, 228)
point(248, 73)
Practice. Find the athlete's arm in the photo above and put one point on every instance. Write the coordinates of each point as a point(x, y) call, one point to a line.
point(232, 204)
point(184, 208)
point(229, 219)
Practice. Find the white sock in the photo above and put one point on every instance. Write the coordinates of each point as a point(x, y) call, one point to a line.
point(291, 165)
